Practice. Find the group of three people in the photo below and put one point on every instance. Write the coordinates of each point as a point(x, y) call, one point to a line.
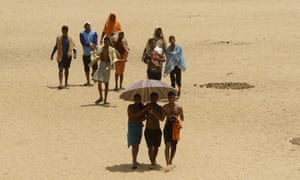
point(156, 53)
point(153, 113)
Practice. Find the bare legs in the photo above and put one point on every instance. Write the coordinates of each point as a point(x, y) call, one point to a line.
point(100, 93)
point(60, 77)
point(87, 76)
point(152, 152)
point(169, 153)
point(134, 152)
point(116, 81)
point(66, 76)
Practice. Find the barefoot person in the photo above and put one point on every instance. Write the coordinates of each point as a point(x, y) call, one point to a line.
point(122, 48)
point(136, 116)
point(174, 64)
point(89, 41)
point(111, 26)
point(153, 132)
point(64, 46)
point(107, 55)
point(172, 112)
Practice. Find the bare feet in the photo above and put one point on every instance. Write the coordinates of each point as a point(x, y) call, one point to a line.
point(98, 100)
point(135, 165)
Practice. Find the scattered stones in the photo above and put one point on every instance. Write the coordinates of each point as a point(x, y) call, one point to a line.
point(295, 141)
point(227, 85)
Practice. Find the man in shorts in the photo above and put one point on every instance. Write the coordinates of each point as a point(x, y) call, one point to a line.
point(171, 112)
point(89, 41)
point(153, 132)
point(64, 47)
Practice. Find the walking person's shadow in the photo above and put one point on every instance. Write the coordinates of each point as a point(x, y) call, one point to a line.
point(127, 168)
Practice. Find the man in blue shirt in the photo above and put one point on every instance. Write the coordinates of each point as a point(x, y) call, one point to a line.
point(89, 41)
point(64, 47)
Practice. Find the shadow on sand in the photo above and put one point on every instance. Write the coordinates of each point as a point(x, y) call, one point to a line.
point(126, 168)
point(57, 87)
point(95, 105)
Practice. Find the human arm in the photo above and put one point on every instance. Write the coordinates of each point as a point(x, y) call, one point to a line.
point(83, 41)
point(102, 36)
point(136, 115)
point(155, 114)
point(74, 52)
point(53, 51)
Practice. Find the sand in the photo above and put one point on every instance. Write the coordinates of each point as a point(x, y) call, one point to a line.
point(47, 133)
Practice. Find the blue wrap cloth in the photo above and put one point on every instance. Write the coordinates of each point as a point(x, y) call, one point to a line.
point(174, 58)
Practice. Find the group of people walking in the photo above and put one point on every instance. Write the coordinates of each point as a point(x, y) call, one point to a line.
point(156, 53)
point(112, 53)
point(153, 113)
point(113, 49)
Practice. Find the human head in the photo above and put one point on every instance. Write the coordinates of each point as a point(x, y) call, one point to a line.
point(121, 35)
point(64, 30)
point(106, 41)
point(154, 97)
point(152, 43)
point(87, 26)
point(137, 98)
point(112, 17)
point(172, 39)
point(158, 32)
point(171, 96)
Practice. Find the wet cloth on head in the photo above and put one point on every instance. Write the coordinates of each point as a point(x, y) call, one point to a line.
point(134, 135)
point(174, 58)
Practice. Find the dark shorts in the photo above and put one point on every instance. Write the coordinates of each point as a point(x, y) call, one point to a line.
point(86, 61)
point(153, 137)
point(156, 75)
point(168, 135)
point(65, 62)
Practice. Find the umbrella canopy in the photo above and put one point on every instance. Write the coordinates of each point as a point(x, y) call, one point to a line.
point(145, 88)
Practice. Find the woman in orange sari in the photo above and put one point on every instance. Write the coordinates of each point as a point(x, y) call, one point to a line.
point(111, 26)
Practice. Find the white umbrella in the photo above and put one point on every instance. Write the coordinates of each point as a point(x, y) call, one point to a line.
point(145, 88)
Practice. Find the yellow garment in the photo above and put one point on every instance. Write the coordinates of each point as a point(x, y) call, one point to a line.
point(111, 26)
point(60, 48)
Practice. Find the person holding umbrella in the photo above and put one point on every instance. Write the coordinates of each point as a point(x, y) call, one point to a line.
point(136, 115)
point(153, 132)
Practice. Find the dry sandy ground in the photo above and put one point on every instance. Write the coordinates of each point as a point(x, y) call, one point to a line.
point(47, 133)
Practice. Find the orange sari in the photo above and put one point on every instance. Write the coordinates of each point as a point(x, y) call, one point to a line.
point(111, 26)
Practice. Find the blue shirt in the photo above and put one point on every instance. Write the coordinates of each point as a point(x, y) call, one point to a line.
point(86, 38)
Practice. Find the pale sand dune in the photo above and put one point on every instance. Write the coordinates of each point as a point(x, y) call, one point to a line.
point(229, 134)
